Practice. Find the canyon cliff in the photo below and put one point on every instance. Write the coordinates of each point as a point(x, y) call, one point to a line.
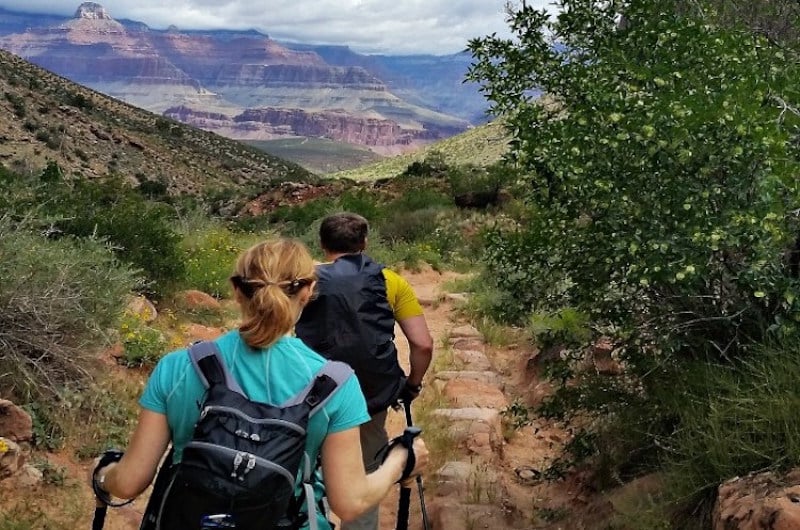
point(243, 85)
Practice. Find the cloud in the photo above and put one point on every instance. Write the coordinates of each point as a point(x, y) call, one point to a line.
point(368, 26)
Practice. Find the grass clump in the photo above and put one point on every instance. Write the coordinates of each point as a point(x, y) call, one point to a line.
point(734, 419)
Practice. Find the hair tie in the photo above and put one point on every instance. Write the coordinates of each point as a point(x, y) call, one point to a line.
point(248, 287)
point(292, 286)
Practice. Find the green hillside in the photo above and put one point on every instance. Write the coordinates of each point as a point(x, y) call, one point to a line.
point(318, 155)
point(89, 135)
point(481, 146)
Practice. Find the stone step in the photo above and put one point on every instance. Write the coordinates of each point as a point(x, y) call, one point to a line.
point(485, 376)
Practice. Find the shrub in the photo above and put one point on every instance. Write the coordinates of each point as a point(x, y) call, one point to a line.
point(476, 187)
point(363, 203)
point(56, 300)
point(209, 251)
point(142, 344)
point(17, 103)
point(663, 198)
point(410, 226)
point(418, 198)
point(295, 219)
point(140, 231)
point(433, 165)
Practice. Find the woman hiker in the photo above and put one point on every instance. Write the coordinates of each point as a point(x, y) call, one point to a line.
point(272, 282)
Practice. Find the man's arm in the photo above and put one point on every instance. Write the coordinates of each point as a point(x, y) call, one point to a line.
point(408, 314)
point(420, 345)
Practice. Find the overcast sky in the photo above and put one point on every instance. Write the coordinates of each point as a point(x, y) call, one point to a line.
point(368, 26)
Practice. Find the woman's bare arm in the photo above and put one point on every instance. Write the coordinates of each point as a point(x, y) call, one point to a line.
point(350, 490)
point(130, 476)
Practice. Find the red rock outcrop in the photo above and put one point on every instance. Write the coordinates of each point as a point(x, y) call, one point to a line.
point(763, 501)
point(270, 122)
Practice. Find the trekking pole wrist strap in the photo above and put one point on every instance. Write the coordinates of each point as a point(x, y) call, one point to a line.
point(109, 457)
point(406, 440)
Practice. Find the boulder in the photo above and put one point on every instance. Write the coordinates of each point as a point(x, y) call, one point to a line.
point(465, 332)
point(12, 458)
point(15, 424)
point(195, 332)
point(194, 299)
point(759, 501)
point(142, 308)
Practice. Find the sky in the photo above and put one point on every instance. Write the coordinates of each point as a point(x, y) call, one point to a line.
point(392, 27)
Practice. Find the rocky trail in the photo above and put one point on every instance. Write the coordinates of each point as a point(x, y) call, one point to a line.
point(483, 474)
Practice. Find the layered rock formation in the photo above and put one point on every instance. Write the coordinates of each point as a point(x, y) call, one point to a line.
point(221, 77)
point(269, 123)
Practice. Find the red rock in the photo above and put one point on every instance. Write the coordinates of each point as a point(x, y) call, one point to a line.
point(763, 501)
point(15, 424)
point(193, 299)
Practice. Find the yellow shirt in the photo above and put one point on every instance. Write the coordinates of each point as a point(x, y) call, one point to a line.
point(401, 296)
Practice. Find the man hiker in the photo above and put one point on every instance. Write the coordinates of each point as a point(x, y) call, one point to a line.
point(352, 319)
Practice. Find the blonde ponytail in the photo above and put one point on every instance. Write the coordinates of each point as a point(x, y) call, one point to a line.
point(269, 277)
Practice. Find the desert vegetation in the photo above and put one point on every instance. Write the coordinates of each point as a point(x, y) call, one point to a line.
point(661, 214)
point(649, 200)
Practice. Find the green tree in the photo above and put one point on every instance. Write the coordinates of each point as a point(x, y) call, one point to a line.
point(663, 169)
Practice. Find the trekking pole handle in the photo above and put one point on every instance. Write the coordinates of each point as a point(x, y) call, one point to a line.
point(425, 521)
point(103, 497)
point(407, 441)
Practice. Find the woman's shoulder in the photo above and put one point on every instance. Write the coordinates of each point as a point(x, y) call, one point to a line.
point(298, 347)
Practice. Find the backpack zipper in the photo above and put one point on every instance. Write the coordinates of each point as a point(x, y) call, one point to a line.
point(261, 421)
point(238, 457)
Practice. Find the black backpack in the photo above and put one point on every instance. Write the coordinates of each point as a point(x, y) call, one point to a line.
point(241, 464)
point(350, 320)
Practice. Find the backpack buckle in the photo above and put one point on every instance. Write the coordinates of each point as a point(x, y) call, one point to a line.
point(219, 520)
point(312, 400)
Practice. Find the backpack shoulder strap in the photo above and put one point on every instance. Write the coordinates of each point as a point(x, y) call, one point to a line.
point(210, 367)
point(327, 380)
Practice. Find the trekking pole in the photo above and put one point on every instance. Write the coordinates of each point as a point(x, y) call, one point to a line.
point(425, 522)
point(99, 519)
point(407, 440)
point(103, 499)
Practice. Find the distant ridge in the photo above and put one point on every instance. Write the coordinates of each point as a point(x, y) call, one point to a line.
point(386, 103)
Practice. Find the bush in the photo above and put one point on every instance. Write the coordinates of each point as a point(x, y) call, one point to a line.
point(410, 226)
point(209, 251)
point(296, 219)
point(476, 187)
point(663, 198)
point(433, 165)
point(418, 198)
point(142, 344)
point(57, 298)
point(140, 231)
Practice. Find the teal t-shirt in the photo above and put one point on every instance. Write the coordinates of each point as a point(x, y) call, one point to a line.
point(271, 376)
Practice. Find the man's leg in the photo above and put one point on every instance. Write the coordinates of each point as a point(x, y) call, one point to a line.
point(373, 439)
